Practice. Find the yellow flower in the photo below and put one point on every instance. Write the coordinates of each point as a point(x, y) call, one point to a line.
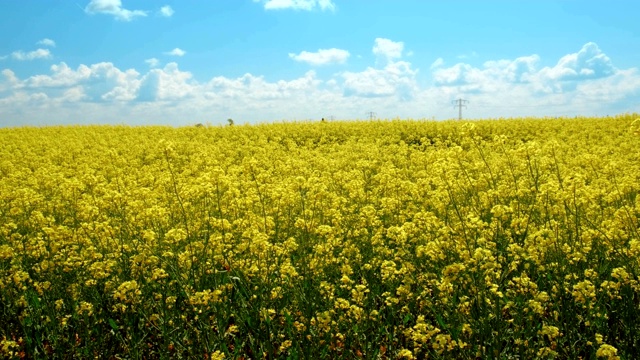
point(607, 351)
point(584, 291)
point(635, 127)
point(285, 345)
point(551, 332)
point(85, 308)
point(405, 354)
point(7, 347)
point(127, 292)
point(217, 355)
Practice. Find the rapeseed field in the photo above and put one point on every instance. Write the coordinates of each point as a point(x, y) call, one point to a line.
point(509, 239)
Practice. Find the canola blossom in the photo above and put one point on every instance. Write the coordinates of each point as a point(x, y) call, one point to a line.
point(509, 238)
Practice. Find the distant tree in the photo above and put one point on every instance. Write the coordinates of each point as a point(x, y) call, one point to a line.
point(199, 125)
point(230, 121)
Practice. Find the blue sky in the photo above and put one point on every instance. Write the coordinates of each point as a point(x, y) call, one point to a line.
point(183, 62)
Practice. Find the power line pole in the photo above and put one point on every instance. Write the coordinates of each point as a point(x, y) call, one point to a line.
point(460, 103)
point(371, 115)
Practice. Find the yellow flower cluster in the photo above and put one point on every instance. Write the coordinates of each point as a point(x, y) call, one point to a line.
point(510, 238)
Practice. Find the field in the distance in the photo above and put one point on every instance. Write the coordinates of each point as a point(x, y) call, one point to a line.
point(388, 239)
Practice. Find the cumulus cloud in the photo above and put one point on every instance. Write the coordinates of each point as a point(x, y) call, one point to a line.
point(388, 49)
point(166, 11)
point(585, 81)
point(40, 53)
point(98, 82)
point(176, 52)
point(159, 96)
point(153, 62)
point(298, 4)
point(622, 84)
point(257, 88)
point(10, 82)
point(10, 76)
point(437, 63)
point(589, 62)
point(395, 79)
point(520, 70)
point(73, 94)
point(322, 56)
point(167, 84)
point(472, 54)
point(169, 95)
point(454, 75)
point(47, 42)
point(113, 8)
point(31, 55)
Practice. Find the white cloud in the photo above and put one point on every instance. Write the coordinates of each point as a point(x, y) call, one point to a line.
point(298, 4)
point(176, 52)
point(47, 42)
point(472, 54)
point(153, 62)
point(11, 81)
point(73, 94)
point(326, 5)
point(589, 62)
point(166, 11)
point(585, 82)
point(388, 49)
point(322, 56)
point(31, 55)
point(520, 70)
point(250, 87)
point(395, 79)
point(114, 8)
point(99, 82)
point(436, 64)
point(454, 75)
point(103, 93)
point(10, 76)
point(166, 84)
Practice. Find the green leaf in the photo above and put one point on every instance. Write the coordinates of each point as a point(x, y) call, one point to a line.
point(33, 299)
point(113, 324)
point(443, 326)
